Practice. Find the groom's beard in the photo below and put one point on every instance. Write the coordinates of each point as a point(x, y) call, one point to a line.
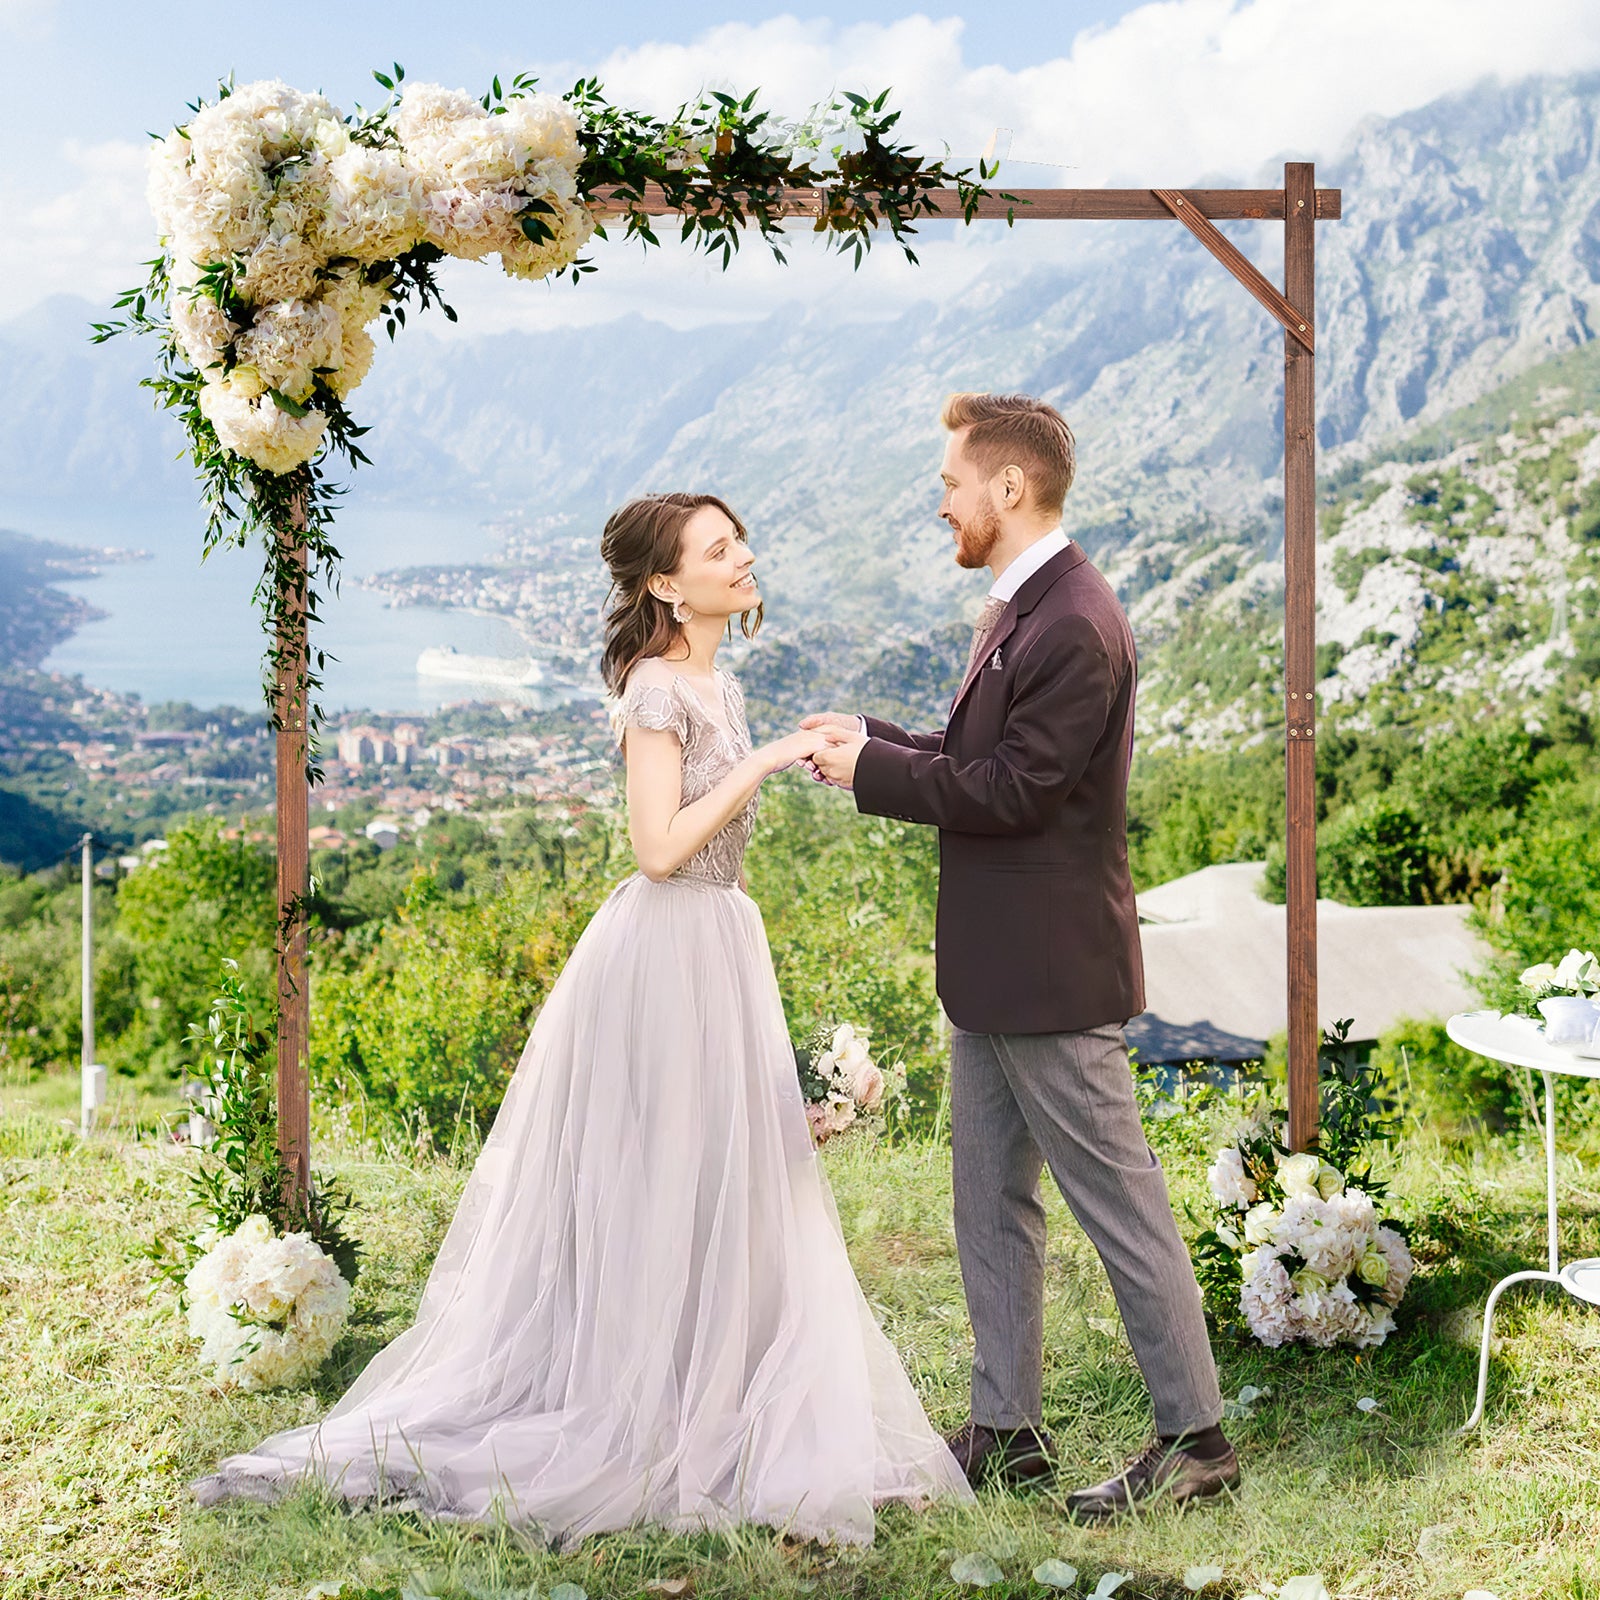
point(975, 540)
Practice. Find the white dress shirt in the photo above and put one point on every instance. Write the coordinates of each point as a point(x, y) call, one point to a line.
point(1020, 570)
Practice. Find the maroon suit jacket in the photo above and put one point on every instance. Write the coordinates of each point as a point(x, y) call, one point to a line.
point(1028, 787)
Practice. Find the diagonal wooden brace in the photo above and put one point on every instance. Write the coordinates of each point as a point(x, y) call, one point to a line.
point(1239, 265)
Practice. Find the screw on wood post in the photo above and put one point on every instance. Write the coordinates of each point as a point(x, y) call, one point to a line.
point(1300, 648)
point(294, 993)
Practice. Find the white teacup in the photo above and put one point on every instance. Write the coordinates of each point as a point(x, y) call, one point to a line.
point(1570, 1019)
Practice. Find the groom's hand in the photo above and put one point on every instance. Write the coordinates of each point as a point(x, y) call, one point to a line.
point(836, 760)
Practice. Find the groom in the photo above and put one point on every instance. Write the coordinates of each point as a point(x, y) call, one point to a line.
point(1038, 959)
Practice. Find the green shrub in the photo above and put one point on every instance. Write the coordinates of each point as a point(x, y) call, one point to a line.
point(204, 899)
point(429, 1023)
point(1375, 853)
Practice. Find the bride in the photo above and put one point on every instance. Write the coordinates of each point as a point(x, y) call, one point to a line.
point(642, 1311)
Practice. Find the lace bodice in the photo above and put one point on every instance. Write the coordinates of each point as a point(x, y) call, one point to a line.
point(714, 741)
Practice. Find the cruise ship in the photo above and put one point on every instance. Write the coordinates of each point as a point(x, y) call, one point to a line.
point(448, 662)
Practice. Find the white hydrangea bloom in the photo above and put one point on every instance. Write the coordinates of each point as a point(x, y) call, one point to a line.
point(283, 265)
point(542, 127)
point(201, 328)
point(289, 1283)
point(374, 203)
point(288, 341)
point(1401, 1266)
point(1267, 1298)
point(1230, 1183)
point(260, 429)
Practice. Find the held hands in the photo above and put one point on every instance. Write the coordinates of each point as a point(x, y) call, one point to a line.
point(835, 759)
point(793, 747)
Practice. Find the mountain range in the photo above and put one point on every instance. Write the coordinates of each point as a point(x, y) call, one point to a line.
point(1468, 252)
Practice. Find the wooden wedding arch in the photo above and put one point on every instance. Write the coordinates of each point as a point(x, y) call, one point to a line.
point(1300, 205)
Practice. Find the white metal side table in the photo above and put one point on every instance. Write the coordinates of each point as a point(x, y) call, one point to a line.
point(1520, 1042)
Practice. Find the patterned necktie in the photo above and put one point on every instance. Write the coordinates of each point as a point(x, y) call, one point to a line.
point(983, 628)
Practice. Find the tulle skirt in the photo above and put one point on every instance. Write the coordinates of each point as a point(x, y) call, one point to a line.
point(642, 1311)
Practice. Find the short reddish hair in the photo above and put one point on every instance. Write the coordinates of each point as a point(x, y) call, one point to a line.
point(1006, 430)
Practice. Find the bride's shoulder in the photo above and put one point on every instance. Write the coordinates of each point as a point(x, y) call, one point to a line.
point(649, 672)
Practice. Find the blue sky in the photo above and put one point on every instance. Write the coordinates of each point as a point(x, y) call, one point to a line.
point(1092, 92)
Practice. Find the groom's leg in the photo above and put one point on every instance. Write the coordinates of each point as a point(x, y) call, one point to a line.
point(999, 1235)
point(1076, 1091)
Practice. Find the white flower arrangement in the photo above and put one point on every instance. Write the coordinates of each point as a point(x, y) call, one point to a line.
point(284, 219)
point(1308, 1252)
point(267, 1309)
point(843, 1082)
point(1578, 975)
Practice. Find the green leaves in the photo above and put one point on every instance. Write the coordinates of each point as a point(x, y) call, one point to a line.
point(284, 403)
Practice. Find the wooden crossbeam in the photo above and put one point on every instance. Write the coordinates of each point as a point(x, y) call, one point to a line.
point(1241, 266)
point(1059, 205)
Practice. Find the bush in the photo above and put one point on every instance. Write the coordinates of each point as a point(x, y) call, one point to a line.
point(1375, 853)
point(204, 899)
point(430, 1022)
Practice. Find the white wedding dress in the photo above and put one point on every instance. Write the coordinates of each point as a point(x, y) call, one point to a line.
point(642, 1310)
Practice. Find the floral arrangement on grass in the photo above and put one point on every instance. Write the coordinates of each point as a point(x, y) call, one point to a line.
point(268, 1308)
point(1298, 1250)
point(841, 1083)
point(264, 1280)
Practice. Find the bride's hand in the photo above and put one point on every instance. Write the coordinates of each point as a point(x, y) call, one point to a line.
point(793, 747)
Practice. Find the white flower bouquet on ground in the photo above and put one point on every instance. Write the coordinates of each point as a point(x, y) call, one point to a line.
point(841, 1082)
point(1297, 1251)
point(1302, 1247)
point(268, 1308)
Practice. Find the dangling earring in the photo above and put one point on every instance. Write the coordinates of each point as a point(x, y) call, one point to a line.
point(680, 612)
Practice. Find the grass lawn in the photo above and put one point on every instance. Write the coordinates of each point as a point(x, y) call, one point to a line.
point(104, 1418)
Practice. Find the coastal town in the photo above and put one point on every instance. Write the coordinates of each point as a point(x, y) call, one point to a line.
point(124, 770)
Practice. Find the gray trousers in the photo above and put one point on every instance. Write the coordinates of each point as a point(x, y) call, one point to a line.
point(1017, 1101)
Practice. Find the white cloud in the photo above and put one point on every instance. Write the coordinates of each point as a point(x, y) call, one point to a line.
point(86, 233)
point(1174, 90)
point(27, 19)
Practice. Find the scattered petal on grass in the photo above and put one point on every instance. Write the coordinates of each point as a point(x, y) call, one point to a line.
point(1366, 1403)
point(1055, 1574)
point(671, 1587)
point(1479, 1594)
point(1247, 1397)
point(328, 1589)
point(568, 1591)
point(1432, 1540)
point(1196, 1578)
point(978, 1571)
point(1309, 1586)
point(1002, 1544)
point(1109, 1326)
point(1108, 1585)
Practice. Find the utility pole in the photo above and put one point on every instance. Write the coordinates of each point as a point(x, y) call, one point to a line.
point(94, 1077)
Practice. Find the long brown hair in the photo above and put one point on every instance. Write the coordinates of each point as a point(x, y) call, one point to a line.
point(642, 539)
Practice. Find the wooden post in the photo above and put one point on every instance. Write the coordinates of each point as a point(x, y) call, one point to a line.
point(1300, 648)
point(294, 994)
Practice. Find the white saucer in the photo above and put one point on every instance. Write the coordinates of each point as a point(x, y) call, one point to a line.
point(1582, 1278)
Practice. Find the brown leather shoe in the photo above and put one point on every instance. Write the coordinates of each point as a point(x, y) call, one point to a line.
point(1160, 1470)
point(1014, 1455)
